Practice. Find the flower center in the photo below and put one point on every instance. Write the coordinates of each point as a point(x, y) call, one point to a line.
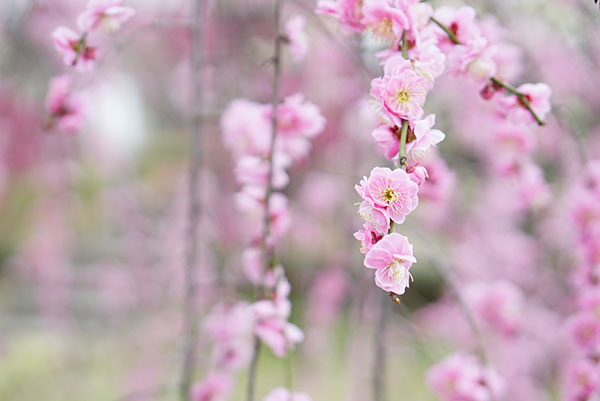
point(396, 270)
point(389, 195)
point(383, 29)
point(402, 96)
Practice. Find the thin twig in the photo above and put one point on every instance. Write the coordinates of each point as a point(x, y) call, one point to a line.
point(495, 81)
point(265, 252)
point(189, 312)
point(442, 265)
point(379, 362)
point(355, 57)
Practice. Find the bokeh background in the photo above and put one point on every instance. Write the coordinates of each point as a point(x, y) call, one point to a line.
point(92, 224)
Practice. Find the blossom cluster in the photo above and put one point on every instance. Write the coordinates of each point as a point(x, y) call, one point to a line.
point(424, 44)
point(65, 109)
point(260, 170)
point(582, 374)
point(462, 377)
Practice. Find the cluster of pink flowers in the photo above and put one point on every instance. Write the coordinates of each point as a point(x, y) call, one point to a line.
point(410, 66)
point(74, 47)
point(247, 131)
point(420, 45)
point(583, 370)
point(232, 327)
point(64, 110)
point(461, 377)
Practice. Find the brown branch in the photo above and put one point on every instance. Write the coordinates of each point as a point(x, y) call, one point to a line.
point(189, 312)
point(265, 252)
point(496, 81)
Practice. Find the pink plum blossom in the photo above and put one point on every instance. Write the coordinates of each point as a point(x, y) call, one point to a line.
point(348, 13)
point(461, 22)
point(230, 327)
point(111, 14)
point(461, 377)
point(64, 109)
point(582, 380)
point(538, 96)
point(245, 129)
point(368, 237)
point(214, 387)
point(297, 39)
point(384, 19)
point(391, 192)
point(500, 304)
point(253, 170)
point(423, 138)
point(401, 92)
point(392, 258)
point(74, 48)
point(272, 326)
point(584, 329)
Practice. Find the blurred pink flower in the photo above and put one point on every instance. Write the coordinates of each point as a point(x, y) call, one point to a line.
point(385, 19)
point(392, 258)
point(214, 387)
point(295, 30)
point(245, 128)
point(64, 109)
point(538, 96)
point(582, 380)
point(460, 377)
point(461, 22)
point(499, 303)
point(272, 324)
point(74, 48)
point(253, 170)
point(584, 329)
point(111, 14)
point(348, 13)
point(230, 327)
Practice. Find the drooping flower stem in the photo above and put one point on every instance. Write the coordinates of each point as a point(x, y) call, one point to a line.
point(495, 81)
point(521, 97)
point(265, 252)
point(275, 103)
point(252, 370)
point(189, 312)
point(450, 34)
point(402, 152)
point(404, 45)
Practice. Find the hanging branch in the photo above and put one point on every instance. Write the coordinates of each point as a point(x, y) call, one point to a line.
point(191, 261)
point(495, 81)
point(265, 252)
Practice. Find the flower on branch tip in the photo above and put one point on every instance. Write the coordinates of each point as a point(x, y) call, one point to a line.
point(392, 258)
point(65, 111)
point(295, 30)
point(74, 48)
point(111, 14)
point(384, 19)
point(536, 95)
point(348, 13)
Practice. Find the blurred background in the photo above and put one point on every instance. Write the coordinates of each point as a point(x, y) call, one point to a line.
point(92, 223)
